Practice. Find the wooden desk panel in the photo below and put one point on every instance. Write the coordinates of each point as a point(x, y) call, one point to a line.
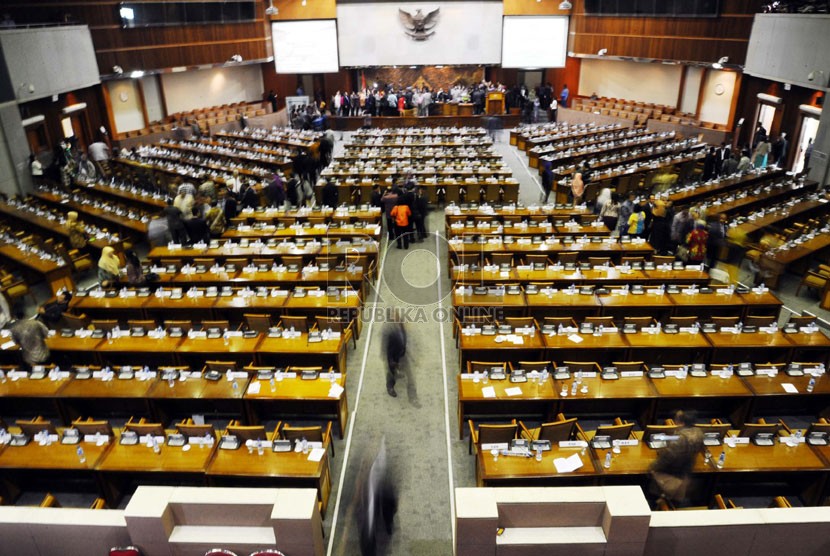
point(295, 395)
point(486, 348)
point(54, 457)
point(605, 348)
point(757, 347)
point(284, 468)
point(142, 459)
point(519, 470)
point(298, 351)
point(683, 347)
point(536, 395)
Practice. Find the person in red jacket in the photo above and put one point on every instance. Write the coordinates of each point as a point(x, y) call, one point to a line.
point(402, 214)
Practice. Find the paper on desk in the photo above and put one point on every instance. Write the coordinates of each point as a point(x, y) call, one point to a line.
point(789, 388)
point(488, 392)
point(8, 345)
point(567, 465)
point(254, 387)
point(575, 338)
point(335, 390)
point(514, 391)
point(316, 454)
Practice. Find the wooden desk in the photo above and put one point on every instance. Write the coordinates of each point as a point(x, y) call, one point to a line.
point(50, 271)
point(494, 305)
point(755, 347)
point(810, 347)
point(195, 351)
point(662, 348)
point(196, 394)
point(299, 352)
point(604, 349)
point(562, 304)
point(519, 471)
point(725, 396)
point(241, 467)
point(488, 348)
point(619, 305)
point(628, 395)
point(56, 456)
point(124, 466)
point(772, 398)
point(778, 262)
point(537, 399)
point(293, 395)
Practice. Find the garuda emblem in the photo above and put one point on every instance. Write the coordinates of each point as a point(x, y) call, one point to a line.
point(419, 26)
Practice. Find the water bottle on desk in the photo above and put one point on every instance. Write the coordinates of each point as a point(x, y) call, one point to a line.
point(812, 384)
point(721, 460)
point(607, 463)
point(81, 455)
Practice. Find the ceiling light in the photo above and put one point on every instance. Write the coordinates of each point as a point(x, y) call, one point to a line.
point(136, 74)
point(271, 9)
point(303, 3)
point(565, 5)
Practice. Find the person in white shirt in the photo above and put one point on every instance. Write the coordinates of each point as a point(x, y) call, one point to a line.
point(36, 169)
point(554, 108)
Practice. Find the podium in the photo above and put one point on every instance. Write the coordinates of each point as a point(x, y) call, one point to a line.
point(494, 103)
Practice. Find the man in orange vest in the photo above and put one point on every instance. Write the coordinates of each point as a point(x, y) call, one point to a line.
point(401, 213)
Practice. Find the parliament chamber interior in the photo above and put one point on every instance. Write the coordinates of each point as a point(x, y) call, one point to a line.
point(471, 277)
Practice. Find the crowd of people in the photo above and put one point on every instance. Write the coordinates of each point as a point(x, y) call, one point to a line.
point(688, 233)
point(393, 100)
point(403, 207)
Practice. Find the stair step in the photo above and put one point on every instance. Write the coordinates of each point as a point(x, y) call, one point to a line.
point(551, 536)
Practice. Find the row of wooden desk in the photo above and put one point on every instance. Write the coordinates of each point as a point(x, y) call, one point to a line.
point(199, 304)
point(223, 250)
point(561, 275)
point(551, 246)
point(655, 302)
point(241, 396)
point(113, 469)
point(194, 351)
point(660, 348)
point(802, 469)
point(735, 399)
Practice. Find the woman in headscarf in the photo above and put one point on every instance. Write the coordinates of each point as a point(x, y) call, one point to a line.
point(109, 267)
point(185, 197)
point(77, 235)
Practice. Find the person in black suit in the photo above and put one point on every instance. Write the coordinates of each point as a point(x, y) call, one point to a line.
point(419, 214)
point(710, 164)
point(723, 154)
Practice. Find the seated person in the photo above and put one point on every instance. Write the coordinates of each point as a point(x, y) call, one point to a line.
point(51, 313)
point(109, 267)
point(135, 273)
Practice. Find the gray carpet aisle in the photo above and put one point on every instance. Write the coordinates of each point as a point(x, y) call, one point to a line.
point(416, 438)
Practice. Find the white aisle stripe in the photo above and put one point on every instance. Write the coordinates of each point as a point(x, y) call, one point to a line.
point(346, 451)
point(450, 477)
point(527, 169)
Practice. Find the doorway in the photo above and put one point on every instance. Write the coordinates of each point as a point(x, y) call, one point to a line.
point(531, 79)
point(765, 116)
point(808, 127)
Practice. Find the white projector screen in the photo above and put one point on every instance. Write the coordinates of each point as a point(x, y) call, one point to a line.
point(305, 46)
point(534, 42)
point(373, 34)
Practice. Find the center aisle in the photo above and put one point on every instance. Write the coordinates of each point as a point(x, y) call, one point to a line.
point(415, 428)
point(424, 454)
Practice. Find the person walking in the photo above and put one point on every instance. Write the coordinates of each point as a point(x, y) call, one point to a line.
point(671, 472)
point(394, 347)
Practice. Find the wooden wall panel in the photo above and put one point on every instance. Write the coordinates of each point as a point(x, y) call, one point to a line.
point(528, 7)
point(152, 47)
point(314, 9)
point(682, 39)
